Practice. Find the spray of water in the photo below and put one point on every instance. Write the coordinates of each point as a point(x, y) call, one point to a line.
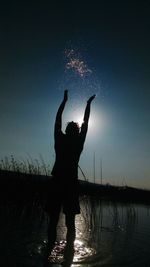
point(75, 62)
point(79, 78)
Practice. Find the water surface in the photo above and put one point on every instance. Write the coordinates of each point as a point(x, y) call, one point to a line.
point(107, 234)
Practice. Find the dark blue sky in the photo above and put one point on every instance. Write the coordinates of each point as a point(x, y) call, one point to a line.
point(113, 38)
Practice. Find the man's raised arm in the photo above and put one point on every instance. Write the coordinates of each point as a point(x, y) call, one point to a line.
point(58, 121)
point(87, 109)
point(84, 126)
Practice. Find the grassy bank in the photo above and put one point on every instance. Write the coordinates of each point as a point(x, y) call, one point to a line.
point(27, 188)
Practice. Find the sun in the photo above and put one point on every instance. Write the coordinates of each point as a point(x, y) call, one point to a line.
point(78, 116)
point(79, 120)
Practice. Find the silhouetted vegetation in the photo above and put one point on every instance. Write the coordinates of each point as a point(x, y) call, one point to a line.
point(23, 196)
point(32, 189)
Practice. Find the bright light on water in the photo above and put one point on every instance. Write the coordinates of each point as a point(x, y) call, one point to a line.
point(78, 242)
point(81, 251)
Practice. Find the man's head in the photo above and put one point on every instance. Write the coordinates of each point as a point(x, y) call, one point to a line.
point(72, 129)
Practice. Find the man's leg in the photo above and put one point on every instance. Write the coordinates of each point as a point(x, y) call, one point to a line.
point(70, 238)
point(52, 234)
point(70, 224)
point(52, 228)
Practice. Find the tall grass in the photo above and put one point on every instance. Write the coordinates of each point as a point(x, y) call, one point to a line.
point(22, 198)
point(27, 194)
point(100, 216)
point(27, 166)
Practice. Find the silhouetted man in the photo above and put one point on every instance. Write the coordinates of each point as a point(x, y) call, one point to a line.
point(68, 148)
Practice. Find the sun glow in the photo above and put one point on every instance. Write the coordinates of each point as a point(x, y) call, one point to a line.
point(79, 120)
point(96, 121)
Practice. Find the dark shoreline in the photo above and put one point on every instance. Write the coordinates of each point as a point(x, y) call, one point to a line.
point(28, 188)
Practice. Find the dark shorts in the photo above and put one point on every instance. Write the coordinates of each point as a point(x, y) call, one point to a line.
point(61, 196)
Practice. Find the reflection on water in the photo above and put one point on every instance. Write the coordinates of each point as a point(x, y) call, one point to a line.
point(107, 234)
point(81, 252)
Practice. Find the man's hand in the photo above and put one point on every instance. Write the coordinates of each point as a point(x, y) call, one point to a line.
point(91, 99)
point(65, 95)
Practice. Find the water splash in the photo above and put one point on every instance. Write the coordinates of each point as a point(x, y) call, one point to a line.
point(81, 251)
point(78, 77)
point(75, 62)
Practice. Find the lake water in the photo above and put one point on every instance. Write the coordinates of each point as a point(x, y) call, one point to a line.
point(107, 234)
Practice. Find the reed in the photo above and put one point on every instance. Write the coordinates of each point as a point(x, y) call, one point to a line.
point(28, 166)
point(24, 191)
